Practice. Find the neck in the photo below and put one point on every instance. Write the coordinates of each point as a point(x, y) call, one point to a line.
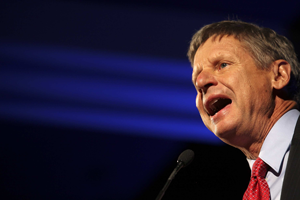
point(281, 107)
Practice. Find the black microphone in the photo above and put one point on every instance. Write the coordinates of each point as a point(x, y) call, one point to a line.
point(184, 159)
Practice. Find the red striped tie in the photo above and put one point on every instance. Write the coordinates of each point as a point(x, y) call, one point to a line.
point(258, 188)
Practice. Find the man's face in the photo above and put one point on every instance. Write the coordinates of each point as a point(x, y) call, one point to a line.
point(234, 97)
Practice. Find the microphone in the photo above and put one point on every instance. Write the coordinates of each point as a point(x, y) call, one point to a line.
point(184, 159)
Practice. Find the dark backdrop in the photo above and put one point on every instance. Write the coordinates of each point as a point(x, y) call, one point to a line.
point(97, 101)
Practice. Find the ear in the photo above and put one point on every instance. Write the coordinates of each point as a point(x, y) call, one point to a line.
point(282, 73)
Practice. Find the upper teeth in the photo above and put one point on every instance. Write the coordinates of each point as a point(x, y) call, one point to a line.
point(212, 107)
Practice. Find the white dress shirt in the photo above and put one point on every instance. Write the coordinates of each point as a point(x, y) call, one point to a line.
point(275, 151)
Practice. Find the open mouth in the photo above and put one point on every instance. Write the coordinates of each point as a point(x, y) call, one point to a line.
point(216, 105)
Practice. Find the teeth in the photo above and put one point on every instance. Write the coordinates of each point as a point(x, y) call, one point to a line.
point(213, 107)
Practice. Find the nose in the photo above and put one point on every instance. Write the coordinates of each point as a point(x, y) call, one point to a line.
point(205, 80)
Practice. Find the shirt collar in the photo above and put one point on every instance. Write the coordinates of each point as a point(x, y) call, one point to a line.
point(278, 140)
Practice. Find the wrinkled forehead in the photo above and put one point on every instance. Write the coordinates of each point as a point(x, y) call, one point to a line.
point(218, 46)
point(217, 38)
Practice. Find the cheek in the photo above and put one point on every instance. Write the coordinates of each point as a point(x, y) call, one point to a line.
point(256, 97)
point(199, 105)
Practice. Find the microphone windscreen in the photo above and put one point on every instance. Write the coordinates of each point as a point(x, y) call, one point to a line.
point(186, 157)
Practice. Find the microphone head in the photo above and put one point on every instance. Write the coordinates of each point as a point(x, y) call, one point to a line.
point(186, 157)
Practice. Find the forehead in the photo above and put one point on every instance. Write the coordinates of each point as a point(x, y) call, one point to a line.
point(218, 46)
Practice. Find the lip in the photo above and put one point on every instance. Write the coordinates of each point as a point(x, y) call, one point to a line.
point(211, 99)
point(215, 118)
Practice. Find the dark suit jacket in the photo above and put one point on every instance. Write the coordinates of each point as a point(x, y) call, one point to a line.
point(291, 182)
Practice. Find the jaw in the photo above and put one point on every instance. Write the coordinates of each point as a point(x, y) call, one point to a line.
point(221, 122)
point(218, 112)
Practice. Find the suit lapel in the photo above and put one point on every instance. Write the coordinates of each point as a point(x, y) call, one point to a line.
point(291, 182)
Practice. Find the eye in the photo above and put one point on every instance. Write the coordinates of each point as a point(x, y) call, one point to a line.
point(223, 65)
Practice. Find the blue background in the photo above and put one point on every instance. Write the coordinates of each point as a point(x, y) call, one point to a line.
point(97, 100)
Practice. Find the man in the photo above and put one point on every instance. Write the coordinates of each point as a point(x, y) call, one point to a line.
point(247, 82)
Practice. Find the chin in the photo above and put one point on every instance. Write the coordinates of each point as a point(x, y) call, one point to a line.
point(225, 133)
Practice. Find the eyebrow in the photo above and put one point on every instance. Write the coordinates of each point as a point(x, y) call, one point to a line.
point(216, 58)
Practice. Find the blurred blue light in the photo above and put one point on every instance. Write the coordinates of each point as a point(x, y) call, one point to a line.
point(98, 90)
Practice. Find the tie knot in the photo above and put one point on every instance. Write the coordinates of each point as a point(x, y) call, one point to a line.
point(260, 168)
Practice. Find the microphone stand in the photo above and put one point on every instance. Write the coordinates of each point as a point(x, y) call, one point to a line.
point(180, 164)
